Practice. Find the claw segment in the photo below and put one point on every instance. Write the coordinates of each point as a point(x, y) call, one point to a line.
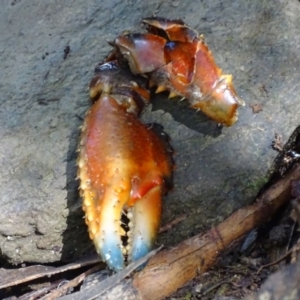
point(124, 167)
point(144, 52)
point(175, 30)
point(145, 218)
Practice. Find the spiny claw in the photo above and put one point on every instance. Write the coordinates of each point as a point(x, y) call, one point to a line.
point(124, 168)
point(175, 57)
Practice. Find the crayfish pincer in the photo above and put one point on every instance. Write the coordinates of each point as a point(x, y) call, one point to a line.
point(177, 59)
point(125, 167)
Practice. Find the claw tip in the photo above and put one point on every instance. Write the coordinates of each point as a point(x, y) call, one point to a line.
point(160, 88)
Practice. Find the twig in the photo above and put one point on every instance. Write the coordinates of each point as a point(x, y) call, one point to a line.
point(216, 286)
point(277, 261)
point(11, 277)
point(172, 223)
point(72, 283)
point(280, 259)
point(38, 293)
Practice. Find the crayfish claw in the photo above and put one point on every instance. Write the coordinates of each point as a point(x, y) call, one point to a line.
point(124, 168)
point(175, 57)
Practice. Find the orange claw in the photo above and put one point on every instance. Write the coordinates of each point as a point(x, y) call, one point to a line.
point(124, 168)
point(176, 59)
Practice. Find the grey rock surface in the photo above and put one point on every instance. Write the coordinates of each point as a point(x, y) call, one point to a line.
point(44, 98)
point(284, 284)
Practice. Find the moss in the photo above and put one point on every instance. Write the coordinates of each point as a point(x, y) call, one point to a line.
point(257, 184)
point(188, 296)
point(230, 38)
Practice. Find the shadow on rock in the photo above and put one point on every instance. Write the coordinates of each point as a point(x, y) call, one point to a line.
point(76, 240)
point(184, 114)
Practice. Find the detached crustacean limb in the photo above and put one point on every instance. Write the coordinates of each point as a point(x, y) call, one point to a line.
point(124, 169)
point(176, 59)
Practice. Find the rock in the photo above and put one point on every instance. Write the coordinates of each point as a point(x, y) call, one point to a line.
point(44, 97)
point(284, 284)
